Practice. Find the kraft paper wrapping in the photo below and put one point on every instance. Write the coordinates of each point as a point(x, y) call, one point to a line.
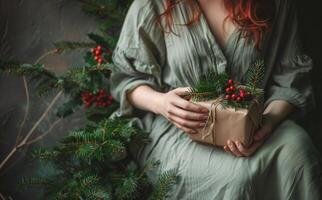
point(226, 123)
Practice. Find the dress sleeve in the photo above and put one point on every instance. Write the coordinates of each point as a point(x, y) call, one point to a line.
point(290, 79)
point(139, 55)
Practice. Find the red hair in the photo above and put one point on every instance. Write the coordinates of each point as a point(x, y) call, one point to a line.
point(252, 17)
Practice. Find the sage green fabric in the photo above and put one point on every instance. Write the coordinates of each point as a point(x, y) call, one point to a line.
point(287, 166)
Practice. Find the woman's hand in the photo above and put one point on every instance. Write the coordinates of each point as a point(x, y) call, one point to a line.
point(274, 114)
point(238, 149)
point(182, 113)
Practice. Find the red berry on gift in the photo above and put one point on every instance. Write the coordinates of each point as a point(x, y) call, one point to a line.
point(100, 60)
point(228, 97)
point(93, 50)
point(110, 97)
point(99, 47)
point(230, 82)
point(238, 98)
point(233, 96)
point(242, 95)
point(228, 90)
point(98, 52)
point(232, 88)
point(96, 58)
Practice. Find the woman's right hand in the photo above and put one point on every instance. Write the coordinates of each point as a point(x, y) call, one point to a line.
point(181, 112)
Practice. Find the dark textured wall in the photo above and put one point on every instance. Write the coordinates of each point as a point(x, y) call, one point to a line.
point(28, 28)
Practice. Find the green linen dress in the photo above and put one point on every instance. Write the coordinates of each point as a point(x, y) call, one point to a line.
point(287, 166)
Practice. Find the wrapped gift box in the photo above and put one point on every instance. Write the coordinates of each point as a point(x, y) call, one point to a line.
point(228, 123)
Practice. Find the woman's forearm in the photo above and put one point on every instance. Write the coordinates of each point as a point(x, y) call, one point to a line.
point(277, 111)
point(145, 98)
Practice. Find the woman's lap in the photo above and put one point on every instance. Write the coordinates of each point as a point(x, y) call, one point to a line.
point(276, 170)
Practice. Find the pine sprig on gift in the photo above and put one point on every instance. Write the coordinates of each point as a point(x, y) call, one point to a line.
point(210, 86)
point(232, 94)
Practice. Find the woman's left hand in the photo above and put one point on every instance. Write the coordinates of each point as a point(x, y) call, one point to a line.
point(238, 149)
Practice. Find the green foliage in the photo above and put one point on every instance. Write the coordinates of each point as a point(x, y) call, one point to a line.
point(213, 85)
point(164, 184)
point(63, 46)
point(210, 86)
point(106, 9)
point(92, 162)
point(255, 75)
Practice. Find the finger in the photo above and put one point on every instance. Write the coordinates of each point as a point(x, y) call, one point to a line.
point(188, 114)
point(187, 105)
point(185, 129)
point(234, 149)
point(182, 90)
point(187, 123)
point(246, 151)
point(226, 148)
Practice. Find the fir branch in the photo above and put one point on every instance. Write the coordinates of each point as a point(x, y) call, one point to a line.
point(45, 154)
point(210, 86)
point(255, 74)
point(64, 46)
point(35, 182)
point(25, 70)
point(148, 167)
point(128, 188)
point(165, 182)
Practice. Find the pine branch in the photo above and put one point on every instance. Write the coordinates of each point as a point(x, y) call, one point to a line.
point(255, 74)
point(64, 46)
point(210, 86)
point(25, 69)
point(45, 154)
point(164, 184)
point(128, 188)
point(35, 182)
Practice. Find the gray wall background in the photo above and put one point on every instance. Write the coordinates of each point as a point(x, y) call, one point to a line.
point(27, 30)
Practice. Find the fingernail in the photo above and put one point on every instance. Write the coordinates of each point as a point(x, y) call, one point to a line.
point(205, 110)
point(238, 144)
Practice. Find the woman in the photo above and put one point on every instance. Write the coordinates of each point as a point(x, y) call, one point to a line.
point(165, 46)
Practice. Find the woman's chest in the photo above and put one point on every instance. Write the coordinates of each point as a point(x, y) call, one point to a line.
point(193, 51)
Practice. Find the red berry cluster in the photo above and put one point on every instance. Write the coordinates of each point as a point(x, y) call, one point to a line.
point(99, 99)
point(97, 53)
point(234, 93)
